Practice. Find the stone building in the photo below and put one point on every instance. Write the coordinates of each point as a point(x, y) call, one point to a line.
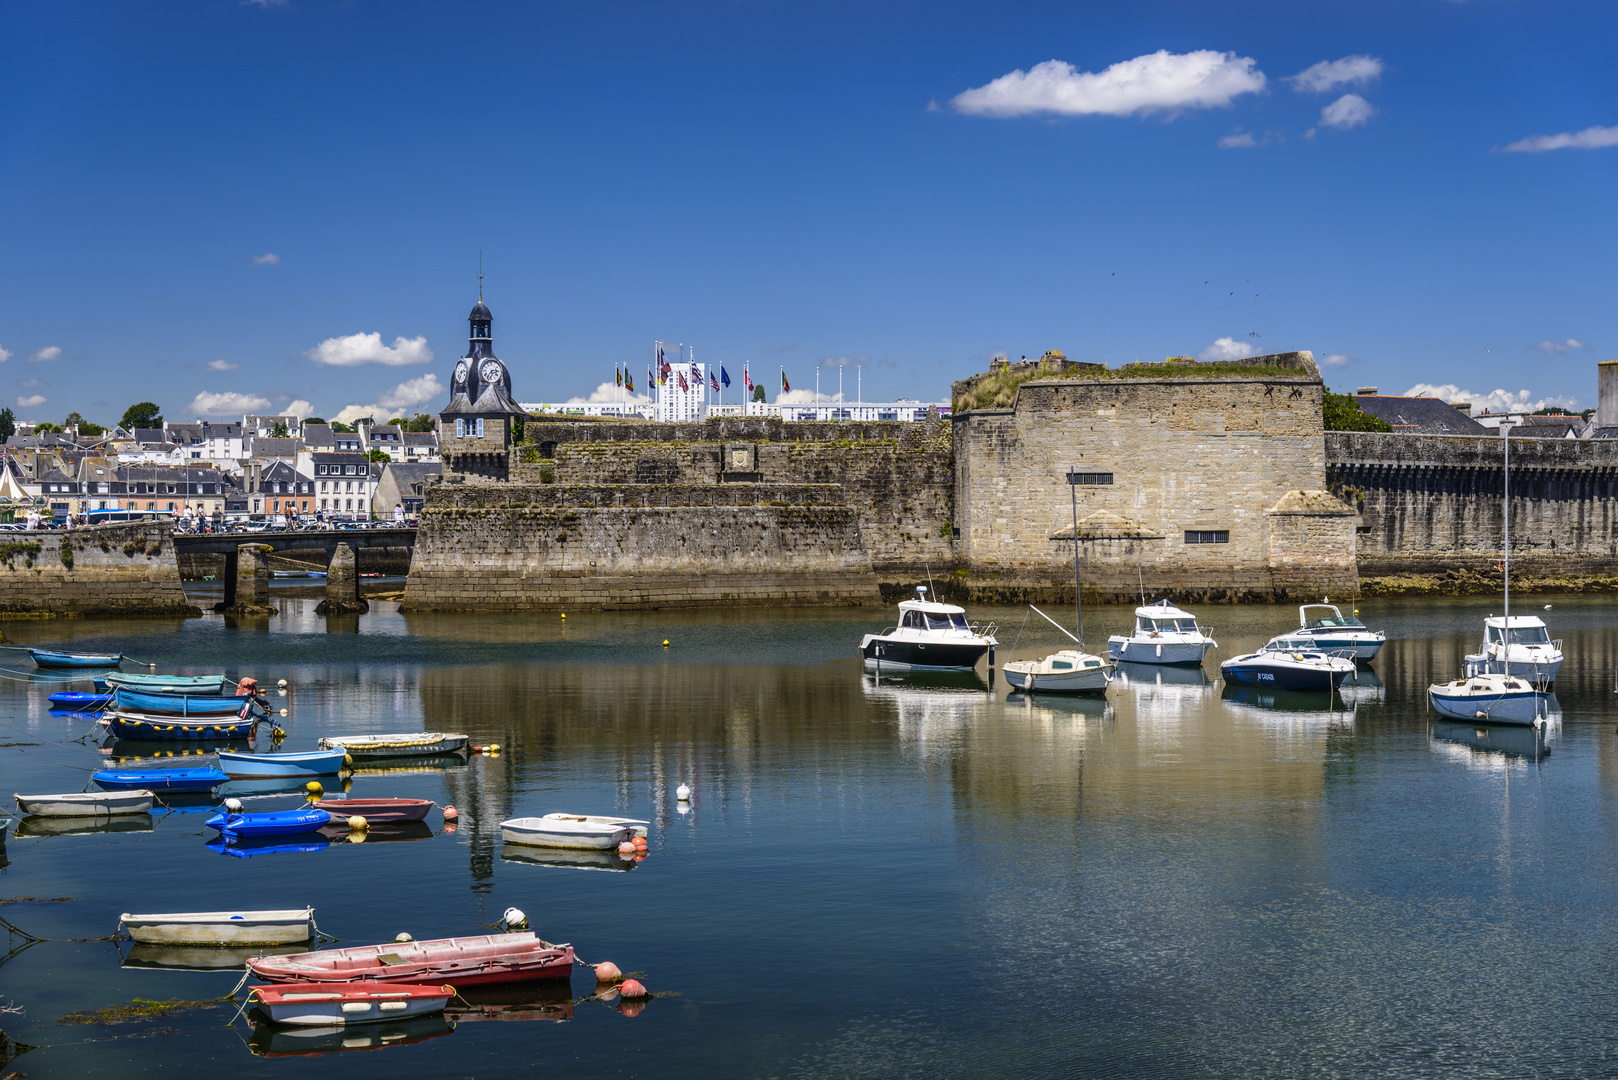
point(1199, 481)
point(478, 427)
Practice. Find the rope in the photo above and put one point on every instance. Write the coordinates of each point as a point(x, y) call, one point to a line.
point(1019, 631)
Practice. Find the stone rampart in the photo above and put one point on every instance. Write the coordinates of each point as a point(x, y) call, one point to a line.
point(1197, 487)
point(516, 545)
point(101, 570)
point(1430, 509)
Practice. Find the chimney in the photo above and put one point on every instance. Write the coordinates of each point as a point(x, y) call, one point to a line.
point(1366, 391)
point(1462, 406)
point(1607, 394)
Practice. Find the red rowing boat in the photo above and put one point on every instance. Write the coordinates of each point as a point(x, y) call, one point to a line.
point(463, 961)
point(376, 811)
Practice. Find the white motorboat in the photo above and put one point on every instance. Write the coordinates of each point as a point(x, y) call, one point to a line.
point(1497, 699)
point(566, 831)
point(327, 1005)
point(222, 928)
point(1523, 643)
point(637, 826)
point(1338, 634)
point(1163, 635)
point(87, 803)
point(1067, 671)
point(928, 637)
point(406, 744)
point(1277, 669)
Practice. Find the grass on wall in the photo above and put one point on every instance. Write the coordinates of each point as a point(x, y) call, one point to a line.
point(998, 389)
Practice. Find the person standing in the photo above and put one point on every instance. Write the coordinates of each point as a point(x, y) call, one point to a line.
point(398, 513)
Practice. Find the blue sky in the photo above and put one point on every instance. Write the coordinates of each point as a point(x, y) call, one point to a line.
point(205, 202)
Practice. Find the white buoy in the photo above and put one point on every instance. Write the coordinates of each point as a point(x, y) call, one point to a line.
point(403, 938)
point(514, 918)
point(233, 805)
point(683, 793)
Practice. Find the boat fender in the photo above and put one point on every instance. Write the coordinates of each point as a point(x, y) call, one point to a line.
point(515, 919)
point(401, 938)
point(626, 849)
point(607, 972)
point(631, 988)
point(358, 823)
point(450, 813)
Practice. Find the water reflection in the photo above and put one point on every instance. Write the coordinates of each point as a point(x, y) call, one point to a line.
point(200, 958)
point(272, 1040)
point(568, 860)
point(1486, 741)
point(78, 826)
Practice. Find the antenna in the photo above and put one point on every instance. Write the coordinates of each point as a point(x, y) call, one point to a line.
point(480, 274)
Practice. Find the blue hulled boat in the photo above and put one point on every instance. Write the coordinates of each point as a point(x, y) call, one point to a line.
point(47, 659)
point(275, 823)
point(159, 779)
point(80, 702)
point(164, 684)
point(146, 727)
point(310, 763)
point(144, 701)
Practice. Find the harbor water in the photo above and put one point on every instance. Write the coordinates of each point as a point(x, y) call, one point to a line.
point(893, 876)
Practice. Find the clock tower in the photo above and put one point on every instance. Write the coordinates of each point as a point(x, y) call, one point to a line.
point(477, 428)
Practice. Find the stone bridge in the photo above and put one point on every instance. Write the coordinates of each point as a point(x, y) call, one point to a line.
point(247, 565)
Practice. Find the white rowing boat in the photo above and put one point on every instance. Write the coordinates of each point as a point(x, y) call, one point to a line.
point(87, 803)
point(222, 928)
point(635, 824)
point(566, 831)
point(406, 744)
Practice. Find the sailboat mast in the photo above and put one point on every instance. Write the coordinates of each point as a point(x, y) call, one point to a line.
point(1505, 431)
point(1078, 595)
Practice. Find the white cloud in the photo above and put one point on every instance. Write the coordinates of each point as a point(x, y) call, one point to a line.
point(269, 258)
point(805, 397)
point(32, 384)
point(1227, 349)
point(1336, 359)
point(264, 4)
point(300, 408)
point(389, 403)
point(1496, 401)
point(1556, 348)
point(353, 414)
point(49, 352)
point(227, 404)
point(1327, 75)
point(1159, 82)
point(1238, 140)
point(357, 349)
point(1591, 138)
point(31, 400)
point(222, 365)
point(5, 354)
point(1348, 111)
point(609, 391)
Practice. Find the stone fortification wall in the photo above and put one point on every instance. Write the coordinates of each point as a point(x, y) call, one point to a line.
point(506, 546)
point(101, 570)
point(896, 476)
point(1229, 456)
point(1430, 510)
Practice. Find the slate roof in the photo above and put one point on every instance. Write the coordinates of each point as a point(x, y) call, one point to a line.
point(264, 447)
point(1420, 415)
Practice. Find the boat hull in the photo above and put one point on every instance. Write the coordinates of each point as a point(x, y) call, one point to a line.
point(417, 744)
point(1512, 707)
point(565, 833)
point(1361, 650)
point(634, 825)
point(904, 655)
point(1275, 675)
point(204, 685)
point(376, 811)
point(1149, 651)
point(472, 961)
point(160, 779)
point(46, 659)
point(87, 804)
point(325, 1005)
point(1085, 681)
point(148, 728)
point(224, 929)
point(80, 702)
point(239, 766)
point(143, 701)
point(278, 823)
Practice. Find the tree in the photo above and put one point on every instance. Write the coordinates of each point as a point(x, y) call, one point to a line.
point(315, 420)
point(45, 427)
point(90, 427)
point(73, 420)
point(1342, 412)
point(379, 455)
point(338, 426)
point(143, 414)
point(279, 431)
point(421, 422)
point(8, 423)
point(758, 393)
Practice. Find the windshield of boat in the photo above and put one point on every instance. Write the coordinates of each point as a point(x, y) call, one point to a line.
point(1521, 635)
point(1341, 620)
point(1185, 626)
point(936, 621)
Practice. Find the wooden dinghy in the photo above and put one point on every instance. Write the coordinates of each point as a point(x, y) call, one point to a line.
point(375, 811)
point(313, 1004)
point(207, 685)
point(159, 779)
point(635, 824)
point(239, 766)
point(463, 961)
point(147, 727)
point(565, 831)
point(407, 744)
point(222, 928)
point(45, 658)
point(87, 803)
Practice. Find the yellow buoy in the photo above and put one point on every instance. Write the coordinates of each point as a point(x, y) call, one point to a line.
point(564, 615)
point(665, 643)
point(348, 761)
point(358, 824)
point(314, 789)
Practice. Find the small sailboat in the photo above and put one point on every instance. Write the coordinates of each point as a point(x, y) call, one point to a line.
point(1163, 634)
point(221, 928)
point(1284, 669)
point(45, 658)
point(1338, 634)
point(1496, 697)
point(1066, 671)
point(566, 831)
point(311, 1004)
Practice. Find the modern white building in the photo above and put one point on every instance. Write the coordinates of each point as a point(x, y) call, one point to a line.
point(674, 404)
point(637, 409)
point(863, 410)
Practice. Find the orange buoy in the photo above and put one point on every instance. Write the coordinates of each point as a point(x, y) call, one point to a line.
point(626, 848)
point(631, 988)
point(608, 972)
point(639, 842)
point(450, 813)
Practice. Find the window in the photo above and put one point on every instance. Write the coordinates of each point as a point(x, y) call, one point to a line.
point(323, 504)
point(1092, 478)
point(323, 486)
point(350, 470)
point(1207, 536)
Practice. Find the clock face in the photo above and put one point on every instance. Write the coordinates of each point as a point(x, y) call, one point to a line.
point(490, 371)
point(462, 370)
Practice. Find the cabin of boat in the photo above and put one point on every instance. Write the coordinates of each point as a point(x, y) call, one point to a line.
point(1163, 634)
point(1337, 633)
point(929, 636)
point(1520, 642)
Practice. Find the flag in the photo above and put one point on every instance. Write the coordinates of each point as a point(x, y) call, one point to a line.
point(713, 381)
point(696, 376)
point(724, 376)
point(629, 381)
point(651, 380)
point(747, 380)
point(786, 387)
point(681, 376)
point(618, 374)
